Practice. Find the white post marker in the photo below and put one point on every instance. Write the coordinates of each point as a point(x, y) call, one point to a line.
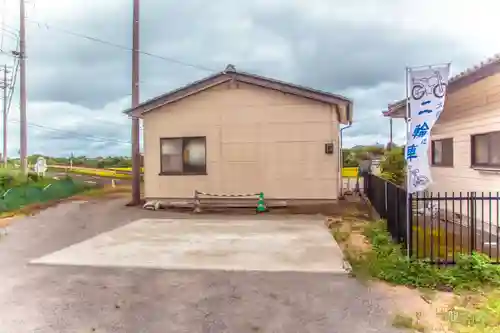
point(425, 97)
point(40, 166)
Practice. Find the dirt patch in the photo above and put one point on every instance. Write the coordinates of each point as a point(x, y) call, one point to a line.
point(427, 309)
point(418, 310)
point(348, 231)
point(341, 208)
point(360, 243)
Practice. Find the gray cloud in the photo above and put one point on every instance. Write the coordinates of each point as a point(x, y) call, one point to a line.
point(336, 55)
point(73, 80)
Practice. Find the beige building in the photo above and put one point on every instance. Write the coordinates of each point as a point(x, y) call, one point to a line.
point(465, 149)
point(239, 133)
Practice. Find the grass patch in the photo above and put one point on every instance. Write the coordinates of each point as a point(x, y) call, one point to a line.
point(10, 178)
point(387, 262)
point(476, 313)
point(92, 193)
point(18, 190)
point(407, 322)
point(474, 279)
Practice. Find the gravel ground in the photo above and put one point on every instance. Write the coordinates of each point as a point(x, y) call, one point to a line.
point(89, 299)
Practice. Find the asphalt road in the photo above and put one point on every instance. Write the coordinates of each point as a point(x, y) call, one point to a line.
point(64, 298)
point(101, 181)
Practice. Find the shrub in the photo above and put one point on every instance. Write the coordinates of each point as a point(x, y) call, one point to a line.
point(392, 166)
point(473, 271)
point(6, 181)
point(388, 262)
point(34, 177)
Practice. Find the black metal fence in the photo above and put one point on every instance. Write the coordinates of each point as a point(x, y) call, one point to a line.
point(440, 225)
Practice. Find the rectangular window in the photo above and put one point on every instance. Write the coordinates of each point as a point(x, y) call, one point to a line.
point(183, 156)
point(442, 152)
point(485, 150)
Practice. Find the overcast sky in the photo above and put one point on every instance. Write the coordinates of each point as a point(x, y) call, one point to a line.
point(357, 48)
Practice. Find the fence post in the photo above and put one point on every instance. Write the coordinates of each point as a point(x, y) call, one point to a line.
point(472, 225)
point(385, 195)
point(367, 184)
point(197, 208)
point(397, 215)
point(409, 228)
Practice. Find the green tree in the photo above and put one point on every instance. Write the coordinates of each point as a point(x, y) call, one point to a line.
point(349, 158)
point(392, 166)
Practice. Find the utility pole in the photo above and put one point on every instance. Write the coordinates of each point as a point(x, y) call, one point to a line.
point(136, 158)
point(22, 91)
point(5, 103)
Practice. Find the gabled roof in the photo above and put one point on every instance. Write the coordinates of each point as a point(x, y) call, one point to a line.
point(231, 74)
point(462, 80)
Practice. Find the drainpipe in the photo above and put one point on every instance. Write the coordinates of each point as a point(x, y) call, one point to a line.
point(341, 160)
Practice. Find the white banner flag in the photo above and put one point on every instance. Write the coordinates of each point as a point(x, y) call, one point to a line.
point(427, 90)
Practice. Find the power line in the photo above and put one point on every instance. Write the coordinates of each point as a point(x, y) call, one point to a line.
point(119, 46)
point(4, 7)
point(100, 120)
point(74, 133)
point(14, 78)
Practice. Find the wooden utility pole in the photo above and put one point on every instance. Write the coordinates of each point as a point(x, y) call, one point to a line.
point(5, 103)
point(136, 158)
point(22, 89)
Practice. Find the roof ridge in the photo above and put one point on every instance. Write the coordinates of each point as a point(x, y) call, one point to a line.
point(470, 70)
point(231, 73)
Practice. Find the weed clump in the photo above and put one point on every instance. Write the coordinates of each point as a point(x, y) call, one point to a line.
point(387, 262)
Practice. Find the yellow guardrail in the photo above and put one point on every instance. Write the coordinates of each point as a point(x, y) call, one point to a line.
point(350, 172)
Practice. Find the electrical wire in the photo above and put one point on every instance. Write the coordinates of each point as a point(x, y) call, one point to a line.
point(126, 48)
point(4, 10)
point(119, 46)
point(13, 83)
point(74, 133)
point(94, 138)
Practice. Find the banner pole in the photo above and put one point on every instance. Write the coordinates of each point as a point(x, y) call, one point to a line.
point(408, 178)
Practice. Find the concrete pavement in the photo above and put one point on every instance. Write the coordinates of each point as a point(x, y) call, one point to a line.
point(130, 299)
point(211, 244)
